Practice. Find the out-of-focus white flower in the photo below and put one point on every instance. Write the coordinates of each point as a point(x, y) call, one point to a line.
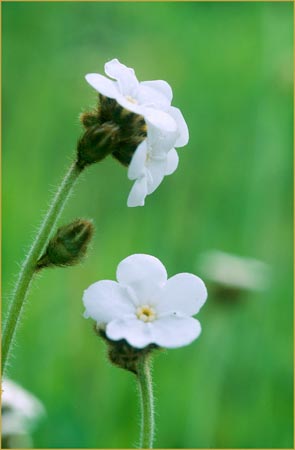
point(20, 409)
point(143, 307)
point(234, 271)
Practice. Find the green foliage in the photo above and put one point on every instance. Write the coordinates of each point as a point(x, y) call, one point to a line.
point(230, 67)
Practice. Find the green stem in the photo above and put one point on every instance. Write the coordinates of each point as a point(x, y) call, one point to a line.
point(146, 402)
point(29, 266)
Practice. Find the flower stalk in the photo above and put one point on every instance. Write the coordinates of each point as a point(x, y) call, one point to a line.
point(145, 387)
point(28, 269)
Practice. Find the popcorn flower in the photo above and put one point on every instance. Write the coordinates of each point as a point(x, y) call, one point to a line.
point(138, 97)
point(155, 156)
point(144, 307)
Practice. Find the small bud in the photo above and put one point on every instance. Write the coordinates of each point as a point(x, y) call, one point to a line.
point(68, 246)
point(89, 118)
point(110, 129)
point(122, 354)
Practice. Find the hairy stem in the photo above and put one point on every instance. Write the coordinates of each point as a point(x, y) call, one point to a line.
point(146, 402)
point(29, 266)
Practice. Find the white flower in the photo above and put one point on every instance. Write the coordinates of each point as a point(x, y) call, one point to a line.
point(128, 91)
point(21, 409)
point(139, 97)
point(154, 158)
point(234, 271)
point(143, 307)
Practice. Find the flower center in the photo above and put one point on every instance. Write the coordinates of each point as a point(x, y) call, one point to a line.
point(146, 313)
point(131, 99)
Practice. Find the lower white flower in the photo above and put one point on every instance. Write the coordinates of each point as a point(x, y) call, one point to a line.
point(154, 158)
point(144, 307)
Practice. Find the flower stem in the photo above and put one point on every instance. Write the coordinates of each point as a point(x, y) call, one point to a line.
point(146, 402)
point(28, 268)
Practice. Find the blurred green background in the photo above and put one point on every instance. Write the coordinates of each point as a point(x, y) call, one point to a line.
point(231, 69)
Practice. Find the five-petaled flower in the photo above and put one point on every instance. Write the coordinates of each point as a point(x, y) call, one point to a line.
point(156, 156)
point(144, 307)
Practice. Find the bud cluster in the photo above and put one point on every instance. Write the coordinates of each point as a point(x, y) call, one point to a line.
point(110, 129)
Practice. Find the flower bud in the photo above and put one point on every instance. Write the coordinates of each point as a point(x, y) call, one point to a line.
point(97, 142)
point(122, 354)
point(110, 129)
point(68, 246)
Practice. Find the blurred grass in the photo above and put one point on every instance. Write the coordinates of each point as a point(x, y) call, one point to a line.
point(230, 66)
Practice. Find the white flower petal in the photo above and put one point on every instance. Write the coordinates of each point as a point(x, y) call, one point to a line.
point(138, 192)
point(137, 166)
point(128, 103)
point(145, 274)
point(175, 331)
point(20, 408)
point(103, 85)
point(160, 120)
point(162, 130)
point(157, 168)
point(170, 332)
point(185, 293)
point(172, 161)
point(136, 332)
point(107, 300)
point(127, 80)
point(161, 86)
point(150, 95)
point(182, 126)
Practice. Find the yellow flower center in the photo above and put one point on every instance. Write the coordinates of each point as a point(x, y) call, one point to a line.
point(146, 313)
point(131, 99)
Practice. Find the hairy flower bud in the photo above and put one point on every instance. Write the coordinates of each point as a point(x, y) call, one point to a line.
point(68, 246)
point(97, 142)
point(110, 129)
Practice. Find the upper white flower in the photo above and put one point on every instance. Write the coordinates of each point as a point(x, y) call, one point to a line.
point(139, 97)
point(144, 307)
point(127, 90)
